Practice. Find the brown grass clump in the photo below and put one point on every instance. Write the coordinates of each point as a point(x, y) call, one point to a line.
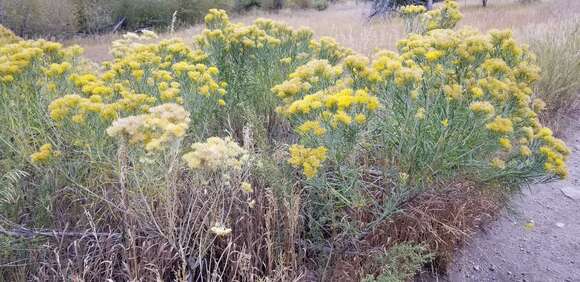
point(440, 220)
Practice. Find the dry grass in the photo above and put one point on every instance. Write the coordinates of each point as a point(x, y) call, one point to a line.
point(557, 46)
point(348, 23)
point(441, 220)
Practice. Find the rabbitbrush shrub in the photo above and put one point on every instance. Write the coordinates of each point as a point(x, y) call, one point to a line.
point(251, 152)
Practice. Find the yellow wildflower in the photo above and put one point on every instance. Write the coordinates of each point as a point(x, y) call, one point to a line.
point(505, 144)
point(247, 187)
point(525, 151)
point(360, 118)
point(43, 154)
point(484, 107)
point(313, 127)
point(310, 159)
point(500, 125)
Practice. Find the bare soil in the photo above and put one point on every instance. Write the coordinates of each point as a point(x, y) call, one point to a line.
point(537, 238)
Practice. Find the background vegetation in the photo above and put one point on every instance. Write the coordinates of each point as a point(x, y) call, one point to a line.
point(63, 18)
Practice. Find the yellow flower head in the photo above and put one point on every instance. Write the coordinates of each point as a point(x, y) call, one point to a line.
point(43, 155)
point(360, 118)
point(505, 144)
point(247, 187)
point(310, 159)
point(525, 151)
point(313, 127)
point(413, 9)
point(483, 107)
point(500, 125)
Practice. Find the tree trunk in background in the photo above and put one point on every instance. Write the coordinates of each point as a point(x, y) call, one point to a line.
point(484, 3)
point(80, 16)
point(278, 4)
point(430, 4)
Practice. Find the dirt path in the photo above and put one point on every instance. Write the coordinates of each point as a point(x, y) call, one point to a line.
point(538, 239)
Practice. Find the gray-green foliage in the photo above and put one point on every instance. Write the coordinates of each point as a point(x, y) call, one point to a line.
point(399, 263)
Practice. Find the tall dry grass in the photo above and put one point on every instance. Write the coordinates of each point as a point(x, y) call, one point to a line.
point(557, 46)
point(349, 24)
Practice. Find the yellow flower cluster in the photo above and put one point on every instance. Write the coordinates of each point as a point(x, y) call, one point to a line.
point(410, 10)
point(525, 151)
point(505, 144)
point(500, 125)
point(247, 187)
point(358, 67)
point(316, 71)
point(162, 125)
point(302, 79)
point(291, 88)
point(538, 105)
point(79, 107)
point(168, 63)
point(483, 107)
point(555, 152)
point(311, 126)
point(453, 91)
point(57, 69)
point(418, 19)
point(19, 57)
point(496, 78)
point(444, 18)
point(309, 159)
point(325, 102)
point(392, 68)
point(327, 48)
point(334, 106)
point(216, 154)
point(142, 76)
point(7, 36)
point(44, 153)
point(501, 83)
point(216, 18)
point(221, 34)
